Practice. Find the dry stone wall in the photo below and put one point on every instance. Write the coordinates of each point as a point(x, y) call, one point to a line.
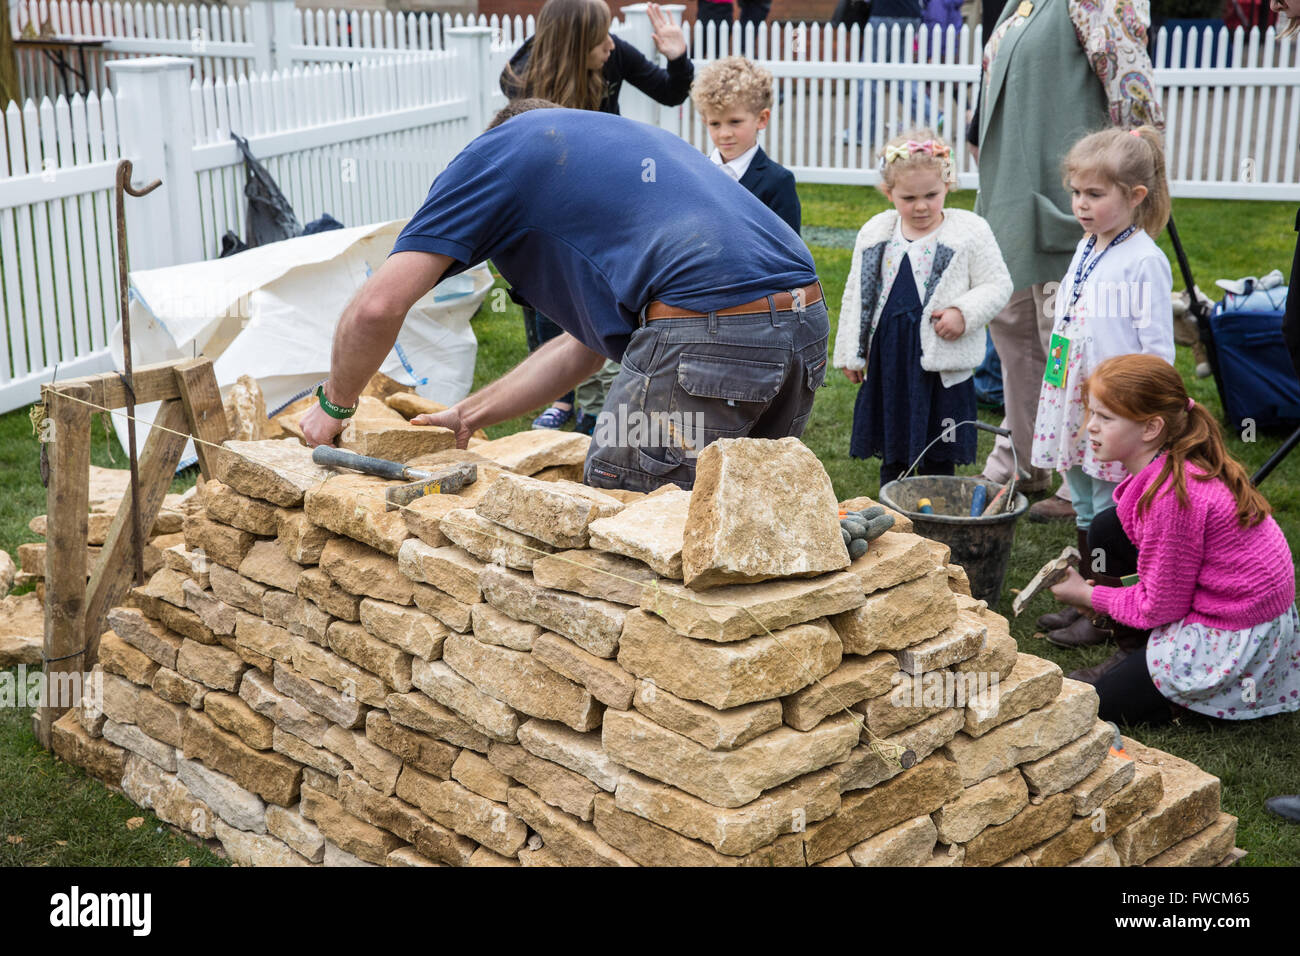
point(524, 675)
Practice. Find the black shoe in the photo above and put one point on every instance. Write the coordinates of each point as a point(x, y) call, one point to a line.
point(584, 423)
point(1287, 807)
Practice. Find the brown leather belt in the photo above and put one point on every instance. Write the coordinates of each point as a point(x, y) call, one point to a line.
point(785, 302)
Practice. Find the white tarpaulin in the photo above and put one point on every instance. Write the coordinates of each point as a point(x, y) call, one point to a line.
point(270, 313)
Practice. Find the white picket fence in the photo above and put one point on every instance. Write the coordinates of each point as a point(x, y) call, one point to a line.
point(359, 131)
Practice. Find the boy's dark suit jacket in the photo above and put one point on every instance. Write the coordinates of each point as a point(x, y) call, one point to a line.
point(774, 185)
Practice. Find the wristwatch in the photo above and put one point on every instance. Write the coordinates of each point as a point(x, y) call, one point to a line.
point(332, 410)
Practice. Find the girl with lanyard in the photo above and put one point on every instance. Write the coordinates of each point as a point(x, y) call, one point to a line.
point(1114, 300)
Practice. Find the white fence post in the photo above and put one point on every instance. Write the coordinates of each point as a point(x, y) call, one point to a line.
point(273, 37)
point(157, 134)
point(640, 33)
point(472, 47)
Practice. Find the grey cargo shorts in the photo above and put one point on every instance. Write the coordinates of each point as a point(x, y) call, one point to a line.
point(687, 382)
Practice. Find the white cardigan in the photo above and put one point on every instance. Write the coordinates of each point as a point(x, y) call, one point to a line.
point(968, 274)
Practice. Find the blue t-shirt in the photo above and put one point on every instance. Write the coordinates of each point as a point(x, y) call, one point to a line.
point(590, 217)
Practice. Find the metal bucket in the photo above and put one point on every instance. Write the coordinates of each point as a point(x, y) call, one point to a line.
point(981, 545)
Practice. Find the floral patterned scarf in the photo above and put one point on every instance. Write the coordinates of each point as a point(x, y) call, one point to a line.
point(1113, 34)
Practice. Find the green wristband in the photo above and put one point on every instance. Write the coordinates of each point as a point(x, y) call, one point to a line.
point(332, 410)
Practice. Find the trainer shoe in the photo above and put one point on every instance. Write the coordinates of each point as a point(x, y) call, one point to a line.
point(553, 418)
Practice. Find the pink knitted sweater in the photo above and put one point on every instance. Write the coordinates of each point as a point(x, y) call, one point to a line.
point(1197, 563)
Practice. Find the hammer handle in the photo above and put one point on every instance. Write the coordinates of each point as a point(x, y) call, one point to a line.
point(330, 456)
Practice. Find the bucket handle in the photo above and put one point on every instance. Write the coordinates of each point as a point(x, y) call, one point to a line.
point(984, 426)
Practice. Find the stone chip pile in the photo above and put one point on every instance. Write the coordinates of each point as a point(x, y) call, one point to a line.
point(539, 673)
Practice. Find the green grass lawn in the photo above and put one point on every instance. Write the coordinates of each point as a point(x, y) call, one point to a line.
point(45, 801)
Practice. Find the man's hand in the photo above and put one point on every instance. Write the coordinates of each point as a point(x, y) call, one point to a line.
point(320, 428)
point(667, 34)
point(949, 324)
point(854, 375)
point(448, 418)
point(1074, 590)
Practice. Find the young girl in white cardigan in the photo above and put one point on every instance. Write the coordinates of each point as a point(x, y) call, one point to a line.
point(923, 284)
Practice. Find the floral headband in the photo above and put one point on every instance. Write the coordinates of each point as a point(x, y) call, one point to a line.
point(931, 147)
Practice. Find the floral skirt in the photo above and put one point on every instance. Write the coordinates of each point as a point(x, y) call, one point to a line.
point(1235, 675)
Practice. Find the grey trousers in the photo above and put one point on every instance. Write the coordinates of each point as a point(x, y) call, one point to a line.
point(687, 382)
point(1020, 333)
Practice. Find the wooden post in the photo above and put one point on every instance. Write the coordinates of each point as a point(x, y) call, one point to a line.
point(67, 504)
point(203, 409)
point(115, 567)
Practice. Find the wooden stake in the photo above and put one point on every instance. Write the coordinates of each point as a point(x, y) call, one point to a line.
point(67, 504)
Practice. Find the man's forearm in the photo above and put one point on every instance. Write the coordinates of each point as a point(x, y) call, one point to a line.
point(370, 323)
point(360, 345)
point(545, 375)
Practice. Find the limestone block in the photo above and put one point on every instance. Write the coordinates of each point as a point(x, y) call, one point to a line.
point(570, 840)
point(1114, 815)
point(988, 803)
point(477, 774)
point(159, 718)
point(652, 845)
point(363, 571)
point(1208, 847)
point(484, 713)
point(449, 569)
point(713, 729)
point(735, 612)
point(301, 539)
point(726, 675)
point(298, 833)
point(319, 588)
point(277, 471)
point(557, 512)
point(238, 807)
point(255, 849)
point(1072, 763)
point(528, 452)
point(854, 680)
point(908, 844)
point(447, 802)
point(423, 752)
point(267, 564)
point(490, 542)
point(864, 813)
point(496, 627)
point(269, 775)
point(580, 752)
point(219, 542)
point(523, 682)
point(223, 503)
point(260, 694)
point(592, 625)
point(354, 506)
point(232, 589)
point(650, 530)
point(1034, 824)
point(1112, 775)
point(733, 832)
point(1026, 738)
point(344, 710)
point(215, 667)
point(898, 617)
point(604, 679)
point(1033, 683)
point(1189, 804)
point(420, 712)
point(406, 628)
point(894, 558)
point(595, 574)
point(745, 488)
point(150, 638)
point(132, 738)
point(171, 686)
point(231, 713)
point(725, 778)
point(354, 643)
point(571, 792)
point(958, 642)
point(871, 763)
point(330, 669)
point(217, 616)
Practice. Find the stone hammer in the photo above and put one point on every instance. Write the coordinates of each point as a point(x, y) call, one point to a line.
point(446, 481)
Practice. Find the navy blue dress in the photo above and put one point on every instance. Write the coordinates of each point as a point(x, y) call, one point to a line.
point(901, 407)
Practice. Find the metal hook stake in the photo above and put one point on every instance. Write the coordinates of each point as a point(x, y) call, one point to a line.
point(123, 188)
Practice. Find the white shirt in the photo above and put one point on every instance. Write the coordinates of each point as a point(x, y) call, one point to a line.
point(738, 166)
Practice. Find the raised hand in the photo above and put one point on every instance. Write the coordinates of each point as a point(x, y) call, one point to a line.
point(668, 36)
